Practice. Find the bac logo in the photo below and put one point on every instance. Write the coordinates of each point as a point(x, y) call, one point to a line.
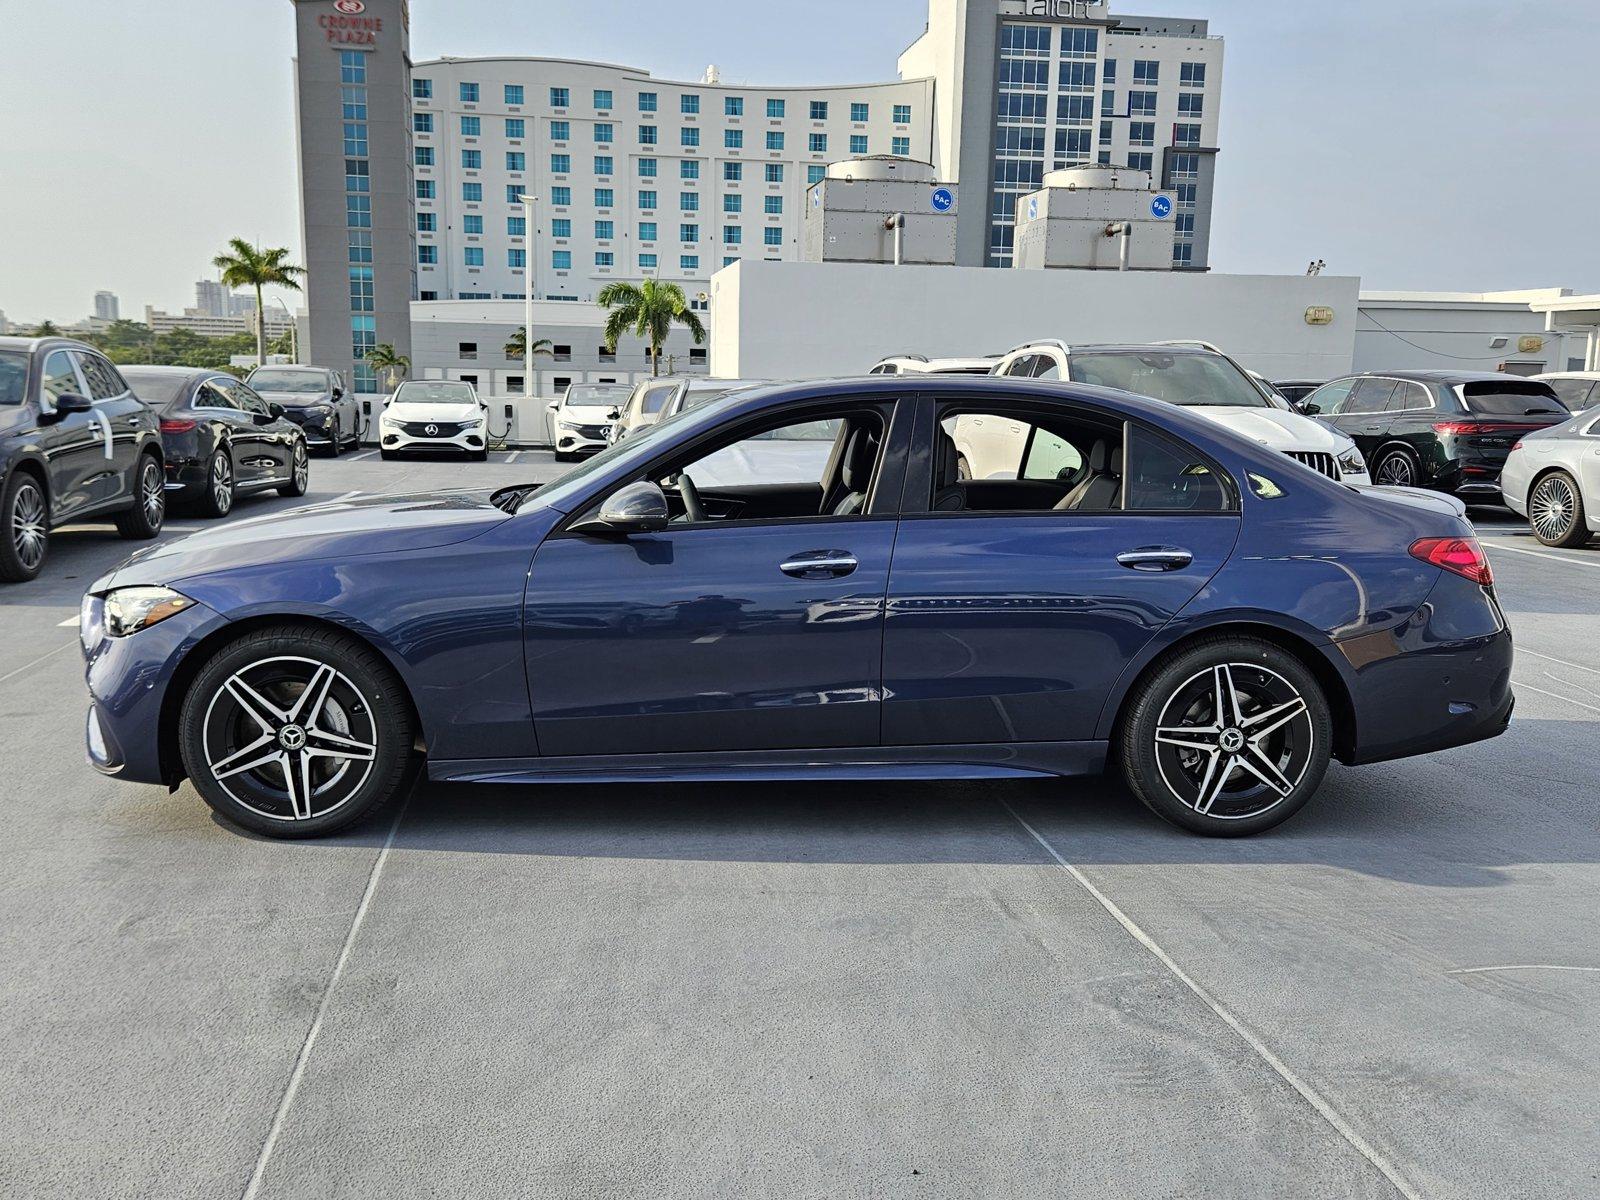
point(942, 200)
point(1161, 208)
point(350, 7)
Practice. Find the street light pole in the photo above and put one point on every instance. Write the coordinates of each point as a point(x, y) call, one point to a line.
point(530, 239)
point(294, 332)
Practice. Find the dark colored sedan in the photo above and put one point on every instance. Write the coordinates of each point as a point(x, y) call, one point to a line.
point(1446, 430)
point(222, 440)
point(315, 399)
point(75, 444)
point(1151, 588)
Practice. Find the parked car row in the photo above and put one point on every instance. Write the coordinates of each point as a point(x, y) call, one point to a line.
point(83, 439)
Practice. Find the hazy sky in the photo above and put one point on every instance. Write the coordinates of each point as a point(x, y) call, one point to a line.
point(1426, 144)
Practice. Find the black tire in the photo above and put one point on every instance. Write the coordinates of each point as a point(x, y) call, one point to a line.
point(1201, 773)
point(1555, 512)
point(1399, 465)
point(480, 456)
point(299, 471)
point(563, 457)
point(364, 708)
point(219, 491)
point(24, 528)
point(387, 455)
point(963, 467)
point(143, 520)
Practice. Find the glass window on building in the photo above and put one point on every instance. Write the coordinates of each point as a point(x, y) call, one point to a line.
point(1191, 104)
point(733, 139)
point(902, 114)
point(560, 131)
point(689, 201)
point(516, 227)
point(516, 161)
point(1185, 166)
point(560, 97)
point(472, 160)
point(472, 193)
point(358, 212)
point(1024, 41)
point(472, 224)
point(1141, 104)
point(355, 139)
point(733, 106)
point(516, 128)
point(648, 168)
point(1108, 72)
point(421, 122)
point(427, 222)
point(1183, 254)
point(815, 174)
point(471, 126)
point(352, 66)
point(649, 135)
point(604, 131)
point(561, 227)
point(689, 135)
point(859, 112)
point(357, 175)
point(689, 168)
point(426, 189)
point(688, 233)
point(514, 95)
point(772, 205)
point(421, 89)
point(602, 99)
point(604, 197)
point(1186, 135)
point(775, 139)
point(604, 231)
point(732, 235)
point(469, 93)
point(649, 102)
point(647, 199)
point(774, 172)
point(516, 257)
point(560, 164)
point(819, 110)
point(647, 231)
point(1141, 133)
point(1077, 77)
point(729, 259)
point(1078, 42)
point(775, 109)
point(427, 255)
point(688, 262)
point(772, 235)
point(1108, 103)
point(732, 202)
point(603, 164)
point(561, 260)
point(733, 172)
point(689, 104)
point(1146, 72)
point(354, 101)
point(858, 143)
point(1141, 162)
point(1192, 74)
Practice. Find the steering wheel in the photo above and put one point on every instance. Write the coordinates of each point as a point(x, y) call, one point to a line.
point(693, 510)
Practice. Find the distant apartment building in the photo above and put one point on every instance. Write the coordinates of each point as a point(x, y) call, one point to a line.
point(106, 306)
point(209, 325)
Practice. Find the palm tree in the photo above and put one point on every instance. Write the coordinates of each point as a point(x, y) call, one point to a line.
point(386, 362)
point(648, 309)
point(517, 345)
point(47, 328)
point(249, 266)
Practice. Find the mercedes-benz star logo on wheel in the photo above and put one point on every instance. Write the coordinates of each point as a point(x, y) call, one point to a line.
point(431, 430)
point(292, 737)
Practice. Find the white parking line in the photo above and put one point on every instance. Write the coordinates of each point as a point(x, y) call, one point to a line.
point(1554, 659)
point(37, 661)
point(515, 454)
point(1285, 1072)
point(1528, 687)
point(359, 457)
point(70, 621)
point(1491, 544)
point(346, 496)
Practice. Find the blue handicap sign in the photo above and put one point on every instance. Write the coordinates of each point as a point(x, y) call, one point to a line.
point(943, 200)
point(1161, 207)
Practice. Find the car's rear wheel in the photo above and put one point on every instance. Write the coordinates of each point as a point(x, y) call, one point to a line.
point(24, 528)
point(296, 732)
point(1555, 511)
point(1228, 737)
point(299, 471)
point(143, 520)
point(217, 498)
point(1396, 469)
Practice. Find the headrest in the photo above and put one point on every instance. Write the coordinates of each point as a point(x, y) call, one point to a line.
point(860, 453)
point(946, 457)
point(1099, 457)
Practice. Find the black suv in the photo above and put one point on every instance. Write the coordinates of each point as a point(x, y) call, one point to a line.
point(1447, 430)
point(75, 443)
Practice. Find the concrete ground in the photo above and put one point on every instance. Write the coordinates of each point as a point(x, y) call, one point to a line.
point(850, 990)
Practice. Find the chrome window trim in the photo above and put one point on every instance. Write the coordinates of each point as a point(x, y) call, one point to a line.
point(1431, 406)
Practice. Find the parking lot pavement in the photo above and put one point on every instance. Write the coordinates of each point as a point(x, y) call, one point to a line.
point(954, 990)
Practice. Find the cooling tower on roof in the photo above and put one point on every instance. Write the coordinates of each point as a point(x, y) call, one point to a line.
point(852, 213)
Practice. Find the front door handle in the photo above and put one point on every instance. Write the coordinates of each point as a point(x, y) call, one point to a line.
point(820, 564)
point(1155, 558)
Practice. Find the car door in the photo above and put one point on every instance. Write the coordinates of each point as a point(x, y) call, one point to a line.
point(1013, 608)
point(77, 446)
point(732, 632)
point(272, 435)
point(126, 420)
point(1362, 416)
point(216, 398)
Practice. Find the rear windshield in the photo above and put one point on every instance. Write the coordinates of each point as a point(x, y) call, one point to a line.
point(158, 391)
point(273, 379)
point(655, 397)
point(1509, 398)
point(1193, 380)
point(13, 376)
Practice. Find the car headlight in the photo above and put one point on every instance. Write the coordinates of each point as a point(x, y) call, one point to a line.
point(386, 421)
point(130, 609)
point(322, 411)
point(570, 426)
point(476, 423)
point(1351, 462)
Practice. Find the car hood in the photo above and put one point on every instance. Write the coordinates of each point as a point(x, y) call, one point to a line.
point(340, 529)
point(1276, 428)
point(402, 411)
point(297, 399)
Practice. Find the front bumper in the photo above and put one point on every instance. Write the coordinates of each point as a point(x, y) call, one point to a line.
point(317, 428)
point(129, 681)
point(581, 439)
point(468, 441)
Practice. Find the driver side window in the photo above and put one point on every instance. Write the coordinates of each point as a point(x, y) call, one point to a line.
point(59, 377)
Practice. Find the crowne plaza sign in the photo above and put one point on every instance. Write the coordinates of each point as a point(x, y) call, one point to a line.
point(348, 24)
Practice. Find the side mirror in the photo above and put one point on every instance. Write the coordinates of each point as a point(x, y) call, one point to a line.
point(638, 508)
point(72, 402)
point(614, 415)
point(338, 393)
point(553, 405)
point(1309, 409)
point(275, 408)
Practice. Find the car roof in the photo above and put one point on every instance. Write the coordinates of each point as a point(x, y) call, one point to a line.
point(1448, 378)
point(152, 370)
point(29, 344)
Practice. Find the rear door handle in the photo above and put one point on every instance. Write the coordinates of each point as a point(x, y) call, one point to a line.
point(1155, 558)
point(820, 564)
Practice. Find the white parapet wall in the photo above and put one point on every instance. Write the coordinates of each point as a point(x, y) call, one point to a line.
point(795, 320)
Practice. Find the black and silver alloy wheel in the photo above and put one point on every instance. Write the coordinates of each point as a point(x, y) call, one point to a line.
point(26, 529)
point(1234, 740)
point(1229, 736)
point(299, 471)
point(296, 732)
point(1395, 469)
point(218, 498)
point(1555, 511)
point(149, 509)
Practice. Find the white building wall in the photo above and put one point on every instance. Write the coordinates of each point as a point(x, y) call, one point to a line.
point(803, 320)
point(1458, 330)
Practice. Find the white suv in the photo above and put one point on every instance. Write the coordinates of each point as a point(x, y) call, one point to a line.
point(1193, 374)
point(916, 364)
point(434, 414)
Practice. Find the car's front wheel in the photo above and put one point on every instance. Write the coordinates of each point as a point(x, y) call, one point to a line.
point(217, 498)
point(299, 471)
point(24, 528)
point(1228, 737)
point(143, 519)
point(296, 732)
point(1555, 512)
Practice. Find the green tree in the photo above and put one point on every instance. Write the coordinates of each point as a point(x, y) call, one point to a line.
point(517, 345)
point(250, 266)
point(47, 328)
point(382, 359)
point(649, 310)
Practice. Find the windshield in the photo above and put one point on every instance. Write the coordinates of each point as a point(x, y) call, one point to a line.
point(1506, 398)
point(275, 379)
point(157, 389)
point(655, 397)
point(442, 392)
point(13, 376)
point(592, 395)
point(1193, 380)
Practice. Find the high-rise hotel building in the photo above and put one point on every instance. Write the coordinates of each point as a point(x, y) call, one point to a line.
point(413, 174)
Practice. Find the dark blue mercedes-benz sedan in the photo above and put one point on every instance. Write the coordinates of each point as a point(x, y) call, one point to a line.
point(802, 582)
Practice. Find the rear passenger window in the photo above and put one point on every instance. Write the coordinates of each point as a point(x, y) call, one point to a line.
point(1046, 367)
point(1051, 456)
point(1026, 460)
point(1162, 475)
point(102, 378)
point(1370, 396)
point(210, 395)
point(1409, 397)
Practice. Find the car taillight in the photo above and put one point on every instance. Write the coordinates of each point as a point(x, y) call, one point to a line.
point(1461, 555)
point(1515, 446)
point(174, 425)
point(1456, 428)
